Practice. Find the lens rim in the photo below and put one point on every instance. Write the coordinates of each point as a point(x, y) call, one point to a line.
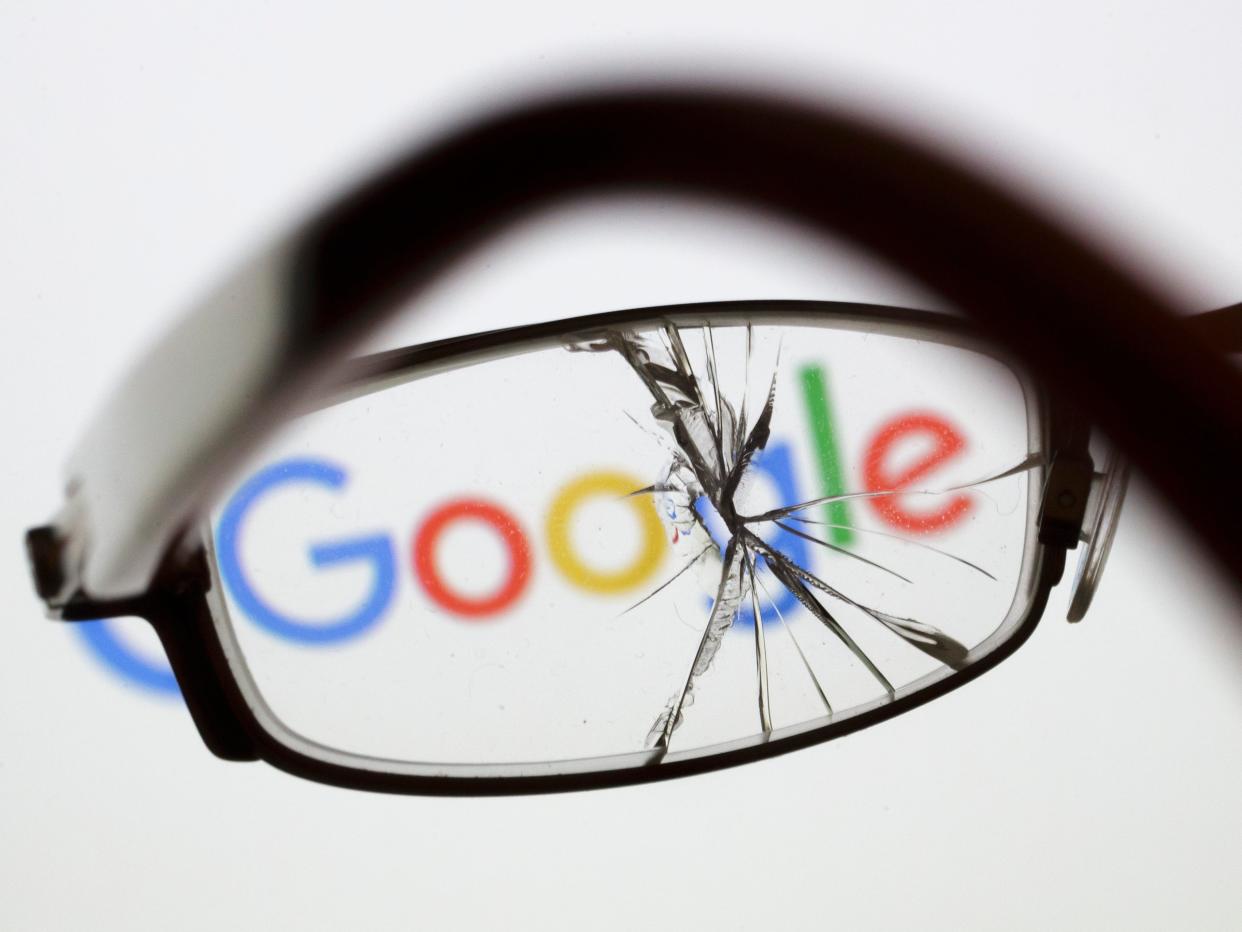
point(1042, 567)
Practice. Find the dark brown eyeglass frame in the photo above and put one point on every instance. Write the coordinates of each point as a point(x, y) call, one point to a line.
point(1112, 350)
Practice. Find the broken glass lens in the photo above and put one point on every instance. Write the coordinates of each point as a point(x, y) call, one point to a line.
point(630, 545)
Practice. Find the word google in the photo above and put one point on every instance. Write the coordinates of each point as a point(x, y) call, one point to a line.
point(378, 551)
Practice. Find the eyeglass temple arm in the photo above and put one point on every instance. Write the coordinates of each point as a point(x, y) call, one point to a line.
point(1067, 312)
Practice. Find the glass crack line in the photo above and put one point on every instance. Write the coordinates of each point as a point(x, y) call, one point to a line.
point(899, 539)
point(788, 629)
point(1034, 461)
point(761, 650)
point(713, 449)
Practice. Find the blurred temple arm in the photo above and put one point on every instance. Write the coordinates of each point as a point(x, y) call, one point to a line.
point(1222, 328)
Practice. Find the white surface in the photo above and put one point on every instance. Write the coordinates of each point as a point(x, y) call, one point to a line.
point(1089, 782)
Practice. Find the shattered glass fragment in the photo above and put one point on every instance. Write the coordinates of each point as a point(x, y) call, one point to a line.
point(712, 444)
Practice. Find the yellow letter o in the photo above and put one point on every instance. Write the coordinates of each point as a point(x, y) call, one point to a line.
point(590, 485)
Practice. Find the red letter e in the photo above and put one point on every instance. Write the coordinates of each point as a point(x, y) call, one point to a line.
point(880, 477)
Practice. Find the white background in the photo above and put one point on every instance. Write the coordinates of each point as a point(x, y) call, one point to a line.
point(1089, 782)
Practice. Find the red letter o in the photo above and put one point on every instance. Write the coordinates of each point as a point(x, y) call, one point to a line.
point(424, 558)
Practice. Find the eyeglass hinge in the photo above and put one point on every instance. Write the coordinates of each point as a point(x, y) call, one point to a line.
point(56, 582)
point(46, 549)
point(1065, 500)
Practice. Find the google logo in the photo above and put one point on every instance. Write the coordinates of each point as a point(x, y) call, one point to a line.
point(882, 468)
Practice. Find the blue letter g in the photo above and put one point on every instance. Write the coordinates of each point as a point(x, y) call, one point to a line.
point(375, 550)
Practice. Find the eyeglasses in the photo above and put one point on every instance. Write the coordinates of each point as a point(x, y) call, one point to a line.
point(603, 550)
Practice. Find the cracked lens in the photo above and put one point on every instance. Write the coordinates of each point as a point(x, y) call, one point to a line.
point(713, 446)
point(632, 545)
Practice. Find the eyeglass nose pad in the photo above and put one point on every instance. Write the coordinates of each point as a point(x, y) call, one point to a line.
point(1108, 491)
